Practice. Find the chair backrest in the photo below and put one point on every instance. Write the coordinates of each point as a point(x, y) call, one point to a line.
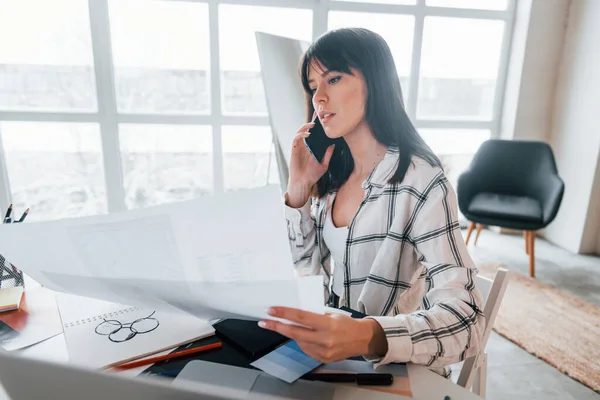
point(484, 285)
point(513, 166)
point(492, 292)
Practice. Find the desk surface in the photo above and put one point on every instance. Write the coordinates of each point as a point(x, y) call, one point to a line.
point(424, 383)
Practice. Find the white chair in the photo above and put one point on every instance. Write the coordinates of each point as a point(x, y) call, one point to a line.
point(473, 374)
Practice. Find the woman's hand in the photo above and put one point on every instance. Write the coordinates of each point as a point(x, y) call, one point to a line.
point(305, 171)
point(330, 337)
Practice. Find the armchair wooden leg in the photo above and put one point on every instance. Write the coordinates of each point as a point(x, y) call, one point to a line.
point(471, 227)
point(526, 237)
point(479, 228)
point(531, 247)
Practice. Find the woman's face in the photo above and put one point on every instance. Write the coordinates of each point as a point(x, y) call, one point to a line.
point(338, 98)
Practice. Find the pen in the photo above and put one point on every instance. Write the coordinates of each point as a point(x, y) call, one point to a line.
point(22, 216)
point(7, 216)
point(153, 360)
point(359, 379)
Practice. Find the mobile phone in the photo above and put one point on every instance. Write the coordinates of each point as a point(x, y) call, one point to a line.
point(318, 142)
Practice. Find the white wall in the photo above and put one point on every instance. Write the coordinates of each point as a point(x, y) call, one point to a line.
point(598, 244)
point(590, 241)
point(536, 49)
point(575, 128)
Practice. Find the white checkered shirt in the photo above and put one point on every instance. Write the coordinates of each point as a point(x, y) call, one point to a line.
point(406, 264)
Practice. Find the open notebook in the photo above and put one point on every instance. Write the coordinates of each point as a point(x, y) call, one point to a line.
point(101, 334)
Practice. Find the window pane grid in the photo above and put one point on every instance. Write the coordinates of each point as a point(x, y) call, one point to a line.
point(153, 87)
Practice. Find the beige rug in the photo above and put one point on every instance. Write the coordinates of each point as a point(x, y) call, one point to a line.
point(553, 325)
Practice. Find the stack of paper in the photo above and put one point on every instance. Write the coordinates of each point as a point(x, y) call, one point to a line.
point(36, 320)
point(214, 257)
point(10, 298)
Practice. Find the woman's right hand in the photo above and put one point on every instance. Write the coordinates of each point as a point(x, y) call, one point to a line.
point(305, 170)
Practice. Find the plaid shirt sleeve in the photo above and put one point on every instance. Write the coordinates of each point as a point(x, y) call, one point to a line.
point(449, 325)
point(303, 243)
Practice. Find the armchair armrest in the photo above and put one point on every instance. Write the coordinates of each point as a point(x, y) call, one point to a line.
point(466, 189)
point(551, 194)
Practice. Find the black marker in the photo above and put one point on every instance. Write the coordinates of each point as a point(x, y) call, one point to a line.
point(359, 379)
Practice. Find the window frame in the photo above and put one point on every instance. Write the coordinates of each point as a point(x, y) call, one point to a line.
point(109, 119)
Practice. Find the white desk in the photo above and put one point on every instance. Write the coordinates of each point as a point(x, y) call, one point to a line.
point(425, 384)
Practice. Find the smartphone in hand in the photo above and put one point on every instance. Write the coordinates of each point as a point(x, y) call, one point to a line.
point(318, 142)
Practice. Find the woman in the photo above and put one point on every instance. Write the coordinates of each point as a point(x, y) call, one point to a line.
point(382, 213)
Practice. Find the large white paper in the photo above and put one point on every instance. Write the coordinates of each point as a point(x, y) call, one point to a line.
point(213, 257)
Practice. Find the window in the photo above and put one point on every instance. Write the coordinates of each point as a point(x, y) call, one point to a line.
point(476, 4)
point(161, 56)
point(170, 61)
point(455, 141)
point(242, 88)
point(455, 147)
point(46, 61)
point(396, 30)
point(56, 169)
point(459, 68)
point(163, 163)
point(380, 1)
point(248, 157)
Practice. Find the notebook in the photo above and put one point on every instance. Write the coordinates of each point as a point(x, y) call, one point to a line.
point(249, 338)
point(101, 334)
point(10, 298)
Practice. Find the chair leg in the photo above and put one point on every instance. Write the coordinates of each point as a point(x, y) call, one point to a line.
point(480, 381)
point(479, 228)
point(526, 237)
point(471, 227)
point(531, 246)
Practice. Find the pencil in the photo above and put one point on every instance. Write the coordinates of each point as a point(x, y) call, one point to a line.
point(153, 360)
point(23, 216)
point(7, 216)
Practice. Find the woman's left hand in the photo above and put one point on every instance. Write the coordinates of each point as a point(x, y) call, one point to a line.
point(329, 337)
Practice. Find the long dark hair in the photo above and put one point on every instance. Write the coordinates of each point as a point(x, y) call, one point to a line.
point(366, 51)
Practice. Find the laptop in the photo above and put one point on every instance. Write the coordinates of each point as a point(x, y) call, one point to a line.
point(29, 379)
point(257, 385)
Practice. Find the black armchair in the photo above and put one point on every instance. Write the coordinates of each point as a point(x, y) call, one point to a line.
point(511, 184)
